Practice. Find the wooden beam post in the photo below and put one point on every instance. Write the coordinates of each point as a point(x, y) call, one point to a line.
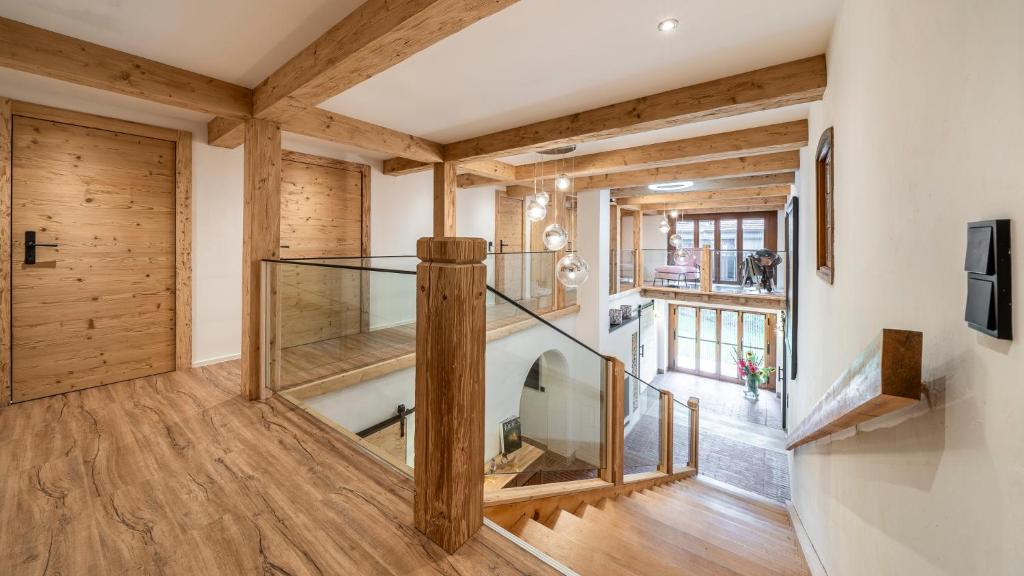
point(444, 199)
point(261, 237)
point(638, 247)
point(451, 284)
point(694, 405)
point(615, 416)
point(667, 430)
point(6, 145)
point(705, 269)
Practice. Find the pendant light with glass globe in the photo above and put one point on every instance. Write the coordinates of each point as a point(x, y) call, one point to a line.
point(537, 207)
point(571, 269)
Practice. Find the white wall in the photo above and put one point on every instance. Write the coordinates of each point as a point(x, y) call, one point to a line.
point(927, 100)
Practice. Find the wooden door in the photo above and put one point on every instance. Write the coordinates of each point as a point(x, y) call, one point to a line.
point(100, 307)
point(509, 265)
point(322, 217)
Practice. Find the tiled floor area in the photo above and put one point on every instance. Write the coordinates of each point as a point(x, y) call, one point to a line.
point(741, 441)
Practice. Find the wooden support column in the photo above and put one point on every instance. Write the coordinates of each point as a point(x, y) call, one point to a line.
point(451, 282)
point(694, 405)
point(5, 251)
point(261, 237)
point(705, 269)
point(614, 429)
point(638, 248)
point(444, 199)
point(667, 429)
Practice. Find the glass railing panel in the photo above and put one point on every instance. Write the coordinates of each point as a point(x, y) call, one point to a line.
point(322, 320)
point(524, 277)
point(748, 271)
point(544, 401)
point(403, 263)
point(642, 444)
point(679, 269)
point(681, 421)
point(627, 267)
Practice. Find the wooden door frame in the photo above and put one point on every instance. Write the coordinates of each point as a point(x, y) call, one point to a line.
point(182, 141)
point(500, 193)
point(770, 350)
point(364, 218)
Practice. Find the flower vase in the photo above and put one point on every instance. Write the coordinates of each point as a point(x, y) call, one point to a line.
point(751, 392)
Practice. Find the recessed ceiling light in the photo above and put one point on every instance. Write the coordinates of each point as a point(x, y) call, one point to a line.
point(668, 25)
point(670, 186)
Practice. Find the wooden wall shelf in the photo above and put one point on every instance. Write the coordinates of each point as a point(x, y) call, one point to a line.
point(885, 378)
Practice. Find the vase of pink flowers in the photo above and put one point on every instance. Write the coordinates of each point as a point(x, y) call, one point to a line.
point(750, 370)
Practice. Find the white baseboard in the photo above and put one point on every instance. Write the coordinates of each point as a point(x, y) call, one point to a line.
point(216, 360)
point(810, 554)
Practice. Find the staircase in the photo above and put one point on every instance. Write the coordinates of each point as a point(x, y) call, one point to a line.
point(689, 527)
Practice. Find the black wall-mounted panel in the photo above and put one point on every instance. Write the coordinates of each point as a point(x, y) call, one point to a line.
point(989, 283)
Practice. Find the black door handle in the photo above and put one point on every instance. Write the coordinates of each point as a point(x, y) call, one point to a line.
point(31, 245)
point(501, 245)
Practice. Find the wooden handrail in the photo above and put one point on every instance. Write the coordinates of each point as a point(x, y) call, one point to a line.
point(884, 378)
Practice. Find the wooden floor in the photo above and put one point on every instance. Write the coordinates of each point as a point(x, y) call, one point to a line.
point(176, 474)
point(687, 528)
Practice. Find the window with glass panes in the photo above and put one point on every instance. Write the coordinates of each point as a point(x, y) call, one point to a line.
point(733, 237)
point(706, 341)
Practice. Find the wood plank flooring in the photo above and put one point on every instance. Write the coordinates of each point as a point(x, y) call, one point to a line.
point(177, 474)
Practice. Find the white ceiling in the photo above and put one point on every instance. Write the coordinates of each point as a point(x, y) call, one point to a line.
point(540, 59)
point(239, 41)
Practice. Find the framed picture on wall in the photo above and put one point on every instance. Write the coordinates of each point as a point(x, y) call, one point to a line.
point(511, 435)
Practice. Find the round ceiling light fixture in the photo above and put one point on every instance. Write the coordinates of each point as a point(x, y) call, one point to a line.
point(670, 186)
point(668, 25)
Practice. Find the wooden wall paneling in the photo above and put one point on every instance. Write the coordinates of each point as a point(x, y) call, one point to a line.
point(444, 199)
point(38, 51)
point(261, 238)
point(5, 252)
point(780, 85)
point(450, 345)
point(112, 275)
point(884, 378)
point(509, 238)
point(183, 250)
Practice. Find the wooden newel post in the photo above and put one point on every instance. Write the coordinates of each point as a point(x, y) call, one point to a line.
point(451, 285)
point(614, 439)
point(667, 429)
point(694, 405)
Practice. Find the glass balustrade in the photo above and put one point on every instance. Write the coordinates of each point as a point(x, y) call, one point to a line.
point(642, 446)
point(729, 271)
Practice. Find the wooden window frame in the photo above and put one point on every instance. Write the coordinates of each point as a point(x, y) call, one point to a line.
point(769, 358)
point(182, 220)
point(824, 171)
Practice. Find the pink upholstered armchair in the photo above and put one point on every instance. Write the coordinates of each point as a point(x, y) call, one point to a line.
point(684, 269)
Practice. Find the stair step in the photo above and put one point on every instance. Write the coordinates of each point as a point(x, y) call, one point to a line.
point(704, 536)
point(583, 559)
point(768, 510)
point(711, 504)
point(645, 559)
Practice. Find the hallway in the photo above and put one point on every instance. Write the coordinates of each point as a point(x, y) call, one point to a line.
point(741, 442)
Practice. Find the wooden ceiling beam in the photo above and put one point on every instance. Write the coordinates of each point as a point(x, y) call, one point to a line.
point(746, 165)
point(319, 123)
point(760, 140)
point(492, 169)
point(45, 53)
point(739, 182)
point(774, 192)
point(721, 203)
point(374, 37)
point(719, 210)
point(772, 87)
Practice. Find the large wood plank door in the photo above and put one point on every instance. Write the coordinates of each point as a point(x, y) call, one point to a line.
point(508, 246)
point(322, 216)
point(100, 307)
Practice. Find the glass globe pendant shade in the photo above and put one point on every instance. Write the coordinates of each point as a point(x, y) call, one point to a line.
point(572, 270)
point(536, 211)
point(676, 240)
point(563, 182)
point(543, 197)
point(663, 225)
point(555, 237)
